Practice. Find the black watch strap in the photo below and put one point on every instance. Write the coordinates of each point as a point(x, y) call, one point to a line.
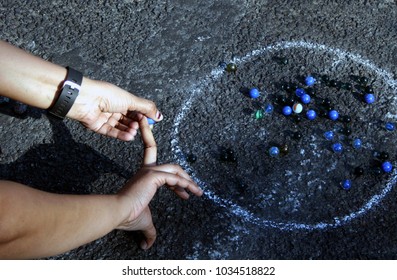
point(69, 92)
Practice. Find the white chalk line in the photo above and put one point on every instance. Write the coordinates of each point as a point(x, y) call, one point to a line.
point(244, 214)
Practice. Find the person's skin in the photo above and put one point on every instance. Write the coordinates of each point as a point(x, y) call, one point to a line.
point(100, 106)
point(35, 224)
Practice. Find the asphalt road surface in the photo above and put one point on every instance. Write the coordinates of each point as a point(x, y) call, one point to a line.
point(254, 206)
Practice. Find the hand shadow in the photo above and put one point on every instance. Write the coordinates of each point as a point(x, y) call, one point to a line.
point(64, 166)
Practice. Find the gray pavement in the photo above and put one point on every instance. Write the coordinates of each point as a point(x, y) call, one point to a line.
point(169, 51)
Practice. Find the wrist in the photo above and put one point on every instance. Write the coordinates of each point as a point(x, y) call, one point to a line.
point(124, 203)
point(86, 104)
point(67, 93)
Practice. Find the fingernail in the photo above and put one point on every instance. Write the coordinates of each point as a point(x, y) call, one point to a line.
point(159, 116)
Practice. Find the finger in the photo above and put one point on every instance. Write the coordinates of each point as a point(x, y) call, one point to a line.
point(127, 121)
point(116, 123)
point(149, 231)
point(146, 107)
point(130, 122)
point(134, 115)
point(150, 146)
point(111, 131)
point(179, 184)
point(177, 170)
point(107, 124)
point(181, 192)
point(124, 124)
point(173, 168)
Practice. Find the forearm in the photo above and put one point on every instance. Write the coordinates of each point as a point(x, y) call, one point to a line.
point(28, 78)
point(37, 224)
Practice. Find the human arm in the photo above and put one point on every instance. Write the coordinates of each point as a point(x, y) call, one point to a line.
point(100, 106)
point(36, 224)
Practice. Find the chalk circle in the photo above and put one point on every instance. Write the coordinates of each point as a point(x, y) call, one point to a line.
point(219, 92)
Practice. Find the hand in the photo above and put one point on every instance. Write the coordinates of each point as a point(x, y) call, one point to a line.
point(139, 191)
point(110, 110)
point(100, 106)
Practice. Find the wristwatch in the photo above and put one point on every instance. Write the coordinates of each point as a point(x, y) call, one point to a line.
point(69, 92)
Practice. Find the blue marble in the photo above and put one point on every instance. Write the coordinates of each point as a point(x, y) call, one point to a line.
point(357, 143)
point(311, 114)
point(347, 184)
point(254, 93)
point(305, 98)
point(287, 110)
point(337, 147)
point(309, 81)
point(268, 109)
point(299, 92)
point(329, 135)
point(369, 98)
point(390, 126)
point(274, 152)
point(333, 115)
point(387, 167)
point(222, 65)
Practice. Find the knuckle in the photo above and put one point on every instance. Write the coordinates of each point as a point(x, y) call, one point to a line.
point(151, 106)
point(151, 146)
point(108, 130)
point(148, 171)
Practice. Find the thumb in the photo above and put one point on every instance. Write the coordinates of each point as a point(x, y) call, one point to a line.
point(149, 231)
point(146, 107)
